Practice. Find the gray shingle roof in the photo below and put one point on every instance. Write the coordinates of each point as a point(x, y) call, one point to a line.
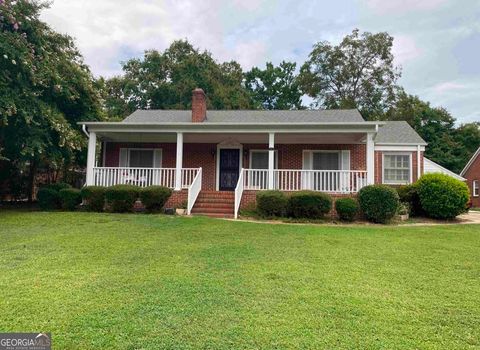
point(247, 116)
point(398, 132)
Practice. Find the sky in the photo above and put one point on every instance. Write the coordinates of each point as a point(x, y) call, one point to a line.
point(437, 42)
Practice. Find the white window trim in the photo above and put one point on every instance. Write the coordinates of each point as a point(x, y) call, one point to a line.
point(312, 151)
point(160, 150)
point(409, 164)
point(475, 188)
point(263, 151)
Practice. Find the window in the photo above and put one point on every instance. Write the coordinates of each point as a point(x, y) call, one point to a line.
point(396, 168)
point(141, 158)
point(326, 160)
point(475, 188)
point(259, 159)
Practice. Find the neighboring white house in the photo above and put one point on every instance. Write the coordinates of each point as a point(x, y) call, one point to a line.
point(429, 166)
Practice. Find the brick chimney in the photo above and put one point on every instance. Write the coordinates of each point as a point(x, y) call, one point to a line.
point(199, 106)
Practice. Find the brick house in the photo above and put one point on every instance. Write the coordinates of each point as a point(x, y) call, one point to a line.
point(471, 172)
point(216, 161)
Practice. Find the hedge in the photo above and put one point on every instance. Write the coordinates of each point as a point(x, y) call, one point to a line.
point(409, 194)
point(154, 197)
point(309, 204)
point(347, 208)
point(48, 195)
point(271, 203)
point(121, 198)
point(70, 198)
point(379, 203)
point(442, 196)
point(94, 197)
point(48, 198)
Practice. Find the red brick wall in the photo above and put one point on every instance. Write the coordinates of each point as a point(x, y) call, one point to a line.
point(473, 173)
point(289, 157)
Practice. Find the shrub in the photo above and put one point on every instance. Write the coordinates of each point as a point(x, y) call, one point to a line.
point(271, 203)
point(94, 197)
point(309, 204)
point(442, 196)
point(70, 198)
point(347, 208)
point(409, 194)
point(154, 197)
point(121, 198)
point(48, 198)
point(379, 203)
point(58, 186)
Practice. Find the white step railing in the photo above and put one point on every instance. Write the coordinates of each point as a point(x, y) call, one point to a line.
point(193, 190)
point(335, 181)
point(143, 177)
point(239, 192)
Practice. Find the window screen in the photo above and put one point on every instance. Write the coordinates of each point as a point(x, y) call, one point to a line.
point(141, 158)
point(396, 169)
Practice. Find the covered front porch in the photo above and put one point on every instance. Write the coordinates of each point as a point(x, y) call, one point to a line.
point(340, 161)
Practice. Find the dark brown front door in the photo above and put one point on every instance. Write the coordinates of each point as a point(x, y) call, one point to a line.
point(229, 169)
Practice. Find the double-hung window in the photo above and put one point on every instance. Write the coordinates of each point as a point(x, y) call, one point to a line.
point(475, 188)
point(397, 169)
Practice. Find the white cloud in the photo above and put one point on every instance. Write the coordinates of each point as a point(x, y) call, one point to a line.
point(448, 87)
point(405, 49)
point(402, 6)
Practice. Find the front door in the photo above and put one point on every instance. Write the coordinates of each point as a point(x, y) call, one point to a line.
point(229, 169)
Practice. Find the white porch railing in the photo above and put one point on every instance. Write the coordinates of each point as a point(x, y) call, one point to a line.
point(335, 181)
point(239, 192)
point(143, 177)
point(193, 190)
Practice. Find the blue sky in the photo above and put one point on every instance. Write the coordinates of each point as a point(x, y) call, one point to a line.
point(437, 42)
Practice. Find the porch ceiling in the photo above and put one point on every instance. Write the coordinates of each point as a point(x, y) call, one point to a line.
point(258, 138)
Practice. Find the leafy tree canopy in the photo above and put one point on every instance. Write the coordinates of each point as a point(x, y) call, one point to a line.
point(357, 73)
point(274, 87)
point(46, 89)
point(165, 80)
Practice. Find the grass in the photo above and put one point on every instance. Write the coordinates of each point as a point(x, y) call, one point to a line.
point(107, 281)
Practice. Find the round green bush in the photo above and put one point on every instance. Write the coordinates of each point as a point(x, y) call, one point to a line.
point(271, 203)
point(442, 196)
point(409, 194)
point(48, 198)
point(379, 203)
point(70, 198)
point(309, 204)
point(94, 197)
point(347, 208)
point(121, 198)
point(154, 197)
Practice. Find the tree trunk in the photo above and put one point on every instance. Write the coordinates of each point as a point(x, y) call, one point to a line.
point(31, 180)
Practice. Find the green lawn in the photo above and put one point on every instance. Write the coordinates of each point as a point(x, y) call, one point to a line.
point(100, 281)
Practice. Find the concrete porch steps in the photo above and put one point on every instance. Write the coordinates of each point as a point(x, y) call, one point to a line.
point(215, 204)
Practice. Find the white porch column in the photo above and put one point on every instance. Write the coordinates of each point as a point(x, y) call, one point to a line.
point(178, 168)
point(92, 144)
point(271, 160)
point(370, 159)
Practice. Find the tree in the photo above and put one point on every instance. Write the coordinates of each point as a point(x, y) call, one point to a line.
point(46, 89)
point(448, 146)
point(357, 73)
point(165, 80)
point(274, 87)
